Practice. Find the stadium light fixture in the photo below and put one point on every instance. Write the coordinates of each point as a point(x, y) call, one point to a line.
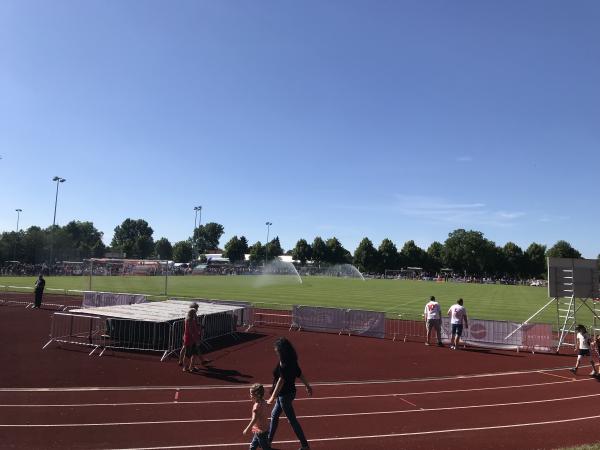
point(198, 209)
point(58, 181)
point(19, 211)
point(268, 224)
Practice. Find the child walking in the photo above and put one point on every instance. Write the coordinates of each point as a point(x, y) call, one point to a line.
point(582, 346)
point(260, 419)
point(191, 341)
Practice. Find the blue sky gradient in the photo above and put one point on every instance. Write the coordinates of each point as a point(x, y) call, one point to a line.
point(388, 119)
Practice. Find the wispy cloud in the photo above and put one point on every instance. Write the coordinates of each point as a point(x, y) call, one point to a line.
point(443, 210)
point(464, 159)
point(547, 218)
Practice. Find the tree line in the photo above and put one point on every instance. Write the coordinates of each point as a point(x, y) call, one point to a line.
point(463, 252)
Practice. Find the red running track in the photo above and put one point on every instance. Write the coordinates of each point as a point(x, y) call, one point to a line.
point(400, 396)
point(536, 409)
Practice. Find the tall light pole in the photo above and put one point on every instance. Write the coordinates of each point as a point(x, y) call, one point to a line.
point(198, 209)
point(268, 224)
point(58, 181)
point(19, 211)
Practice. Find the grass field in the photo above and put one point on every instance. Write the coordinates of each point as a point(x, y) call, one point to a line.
point(404, 297)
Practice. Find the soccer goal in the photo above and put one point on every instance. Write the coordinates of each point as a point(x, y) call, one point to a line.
point(143, 276)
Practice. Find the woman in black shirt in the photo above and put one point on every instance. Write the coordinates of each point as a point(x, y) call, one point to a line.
point(284, 389)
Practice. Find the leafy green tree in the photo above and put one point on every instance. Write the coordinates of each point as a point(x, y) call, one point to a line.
point(319, 251)
point(273, 249)
point(514, 259)
point(182, 252)
point(469, 252)
point(336, 252)
point(82, 240)
point(389, 258)
point(412, 255)
point(302, 252)
point(257, 253)
point(35, 250)
point(535, 260)
point(236, 249)
point(11, 246)
point(163, 249)
point(435, 257)
point(562, 249)
point(206, 237)
point(134, 238)
point(366, 257)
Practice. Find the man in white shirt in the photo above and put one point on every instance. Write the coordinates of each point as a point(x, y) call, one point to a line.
point(433, 320)
point(458, 316)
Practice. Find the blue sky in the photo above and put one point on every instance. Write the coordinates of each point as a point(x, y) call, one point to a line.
point(388, 119)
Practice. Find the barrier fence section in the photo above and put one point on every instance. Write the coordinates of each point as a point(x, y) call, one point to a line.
point(242, 316)
point(117, 334)
point(58, 299)
point(484, 333)
point(95, 299)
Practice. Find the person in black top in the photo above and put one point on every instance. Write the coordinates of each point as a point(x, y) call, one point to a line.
point(40, 283)
point(284, 389)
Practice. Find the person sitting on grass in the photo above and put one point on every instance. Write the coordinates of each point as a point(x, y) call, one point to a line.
point(582, 347)
point(191, 341)
point(260, 419)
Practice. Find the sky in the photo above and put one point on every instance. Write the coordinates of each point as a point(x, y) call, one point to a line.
point(389, 119)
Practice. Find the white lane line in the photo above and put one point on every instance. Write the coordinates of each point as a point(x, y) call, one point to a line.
point(338, 397)
point(558, 376)
point(245, 386)
point(316, 416)
point(380, 436)
point(410, 403)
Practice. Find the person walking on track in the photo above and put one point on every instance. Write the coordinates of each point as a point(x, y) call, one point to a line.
point(458, 317)
point(284, 389)
point(259, 424)
point(433, 320)
point(40, 284)
point(582, 347)
point(191, 340)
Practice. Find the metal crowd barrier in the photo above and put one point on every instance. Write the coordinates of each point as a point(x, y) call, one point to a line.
point(116, 334)
point(267, 317)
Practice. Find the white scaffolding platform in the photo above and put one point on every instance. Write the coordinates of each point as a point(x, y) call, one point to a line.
point(572, 284)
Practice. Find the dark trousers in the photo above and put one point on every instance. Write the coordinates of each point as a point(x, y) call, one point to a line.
point(260, 439)
point(284, 404)
point(38, 299)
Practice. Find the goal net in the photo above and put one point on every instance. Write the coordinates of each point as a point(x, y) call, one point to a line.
point(133, 276)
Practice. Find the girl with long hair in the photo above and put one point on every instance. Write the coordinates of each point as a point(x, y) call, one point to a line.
point(284, 389)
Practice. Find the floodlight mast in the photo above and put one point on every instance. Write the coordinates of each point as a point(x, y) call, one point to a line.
point(19, 211)
point(268, 224)
point(58, 181)
point(197, 209)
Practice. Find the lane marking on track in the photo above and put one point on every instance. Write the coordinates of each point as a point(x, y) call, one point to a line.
point(559, 376)
point(379, 436)
point(319, 416)
point(410, 403)
point(245, 386)
point(337, 397)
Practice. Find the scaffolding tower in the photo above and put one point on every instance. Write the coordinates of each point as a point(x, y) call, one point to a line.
point(572, 285)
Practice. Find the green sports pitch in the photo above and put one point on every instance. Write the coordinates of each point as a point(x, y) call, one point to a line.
point(395, 297)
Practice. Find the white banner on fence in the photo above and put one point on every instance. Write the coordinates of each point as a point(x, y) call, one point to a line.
point(336, 320)
point(93, 299)
point(486, 332)
point(365, 323)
